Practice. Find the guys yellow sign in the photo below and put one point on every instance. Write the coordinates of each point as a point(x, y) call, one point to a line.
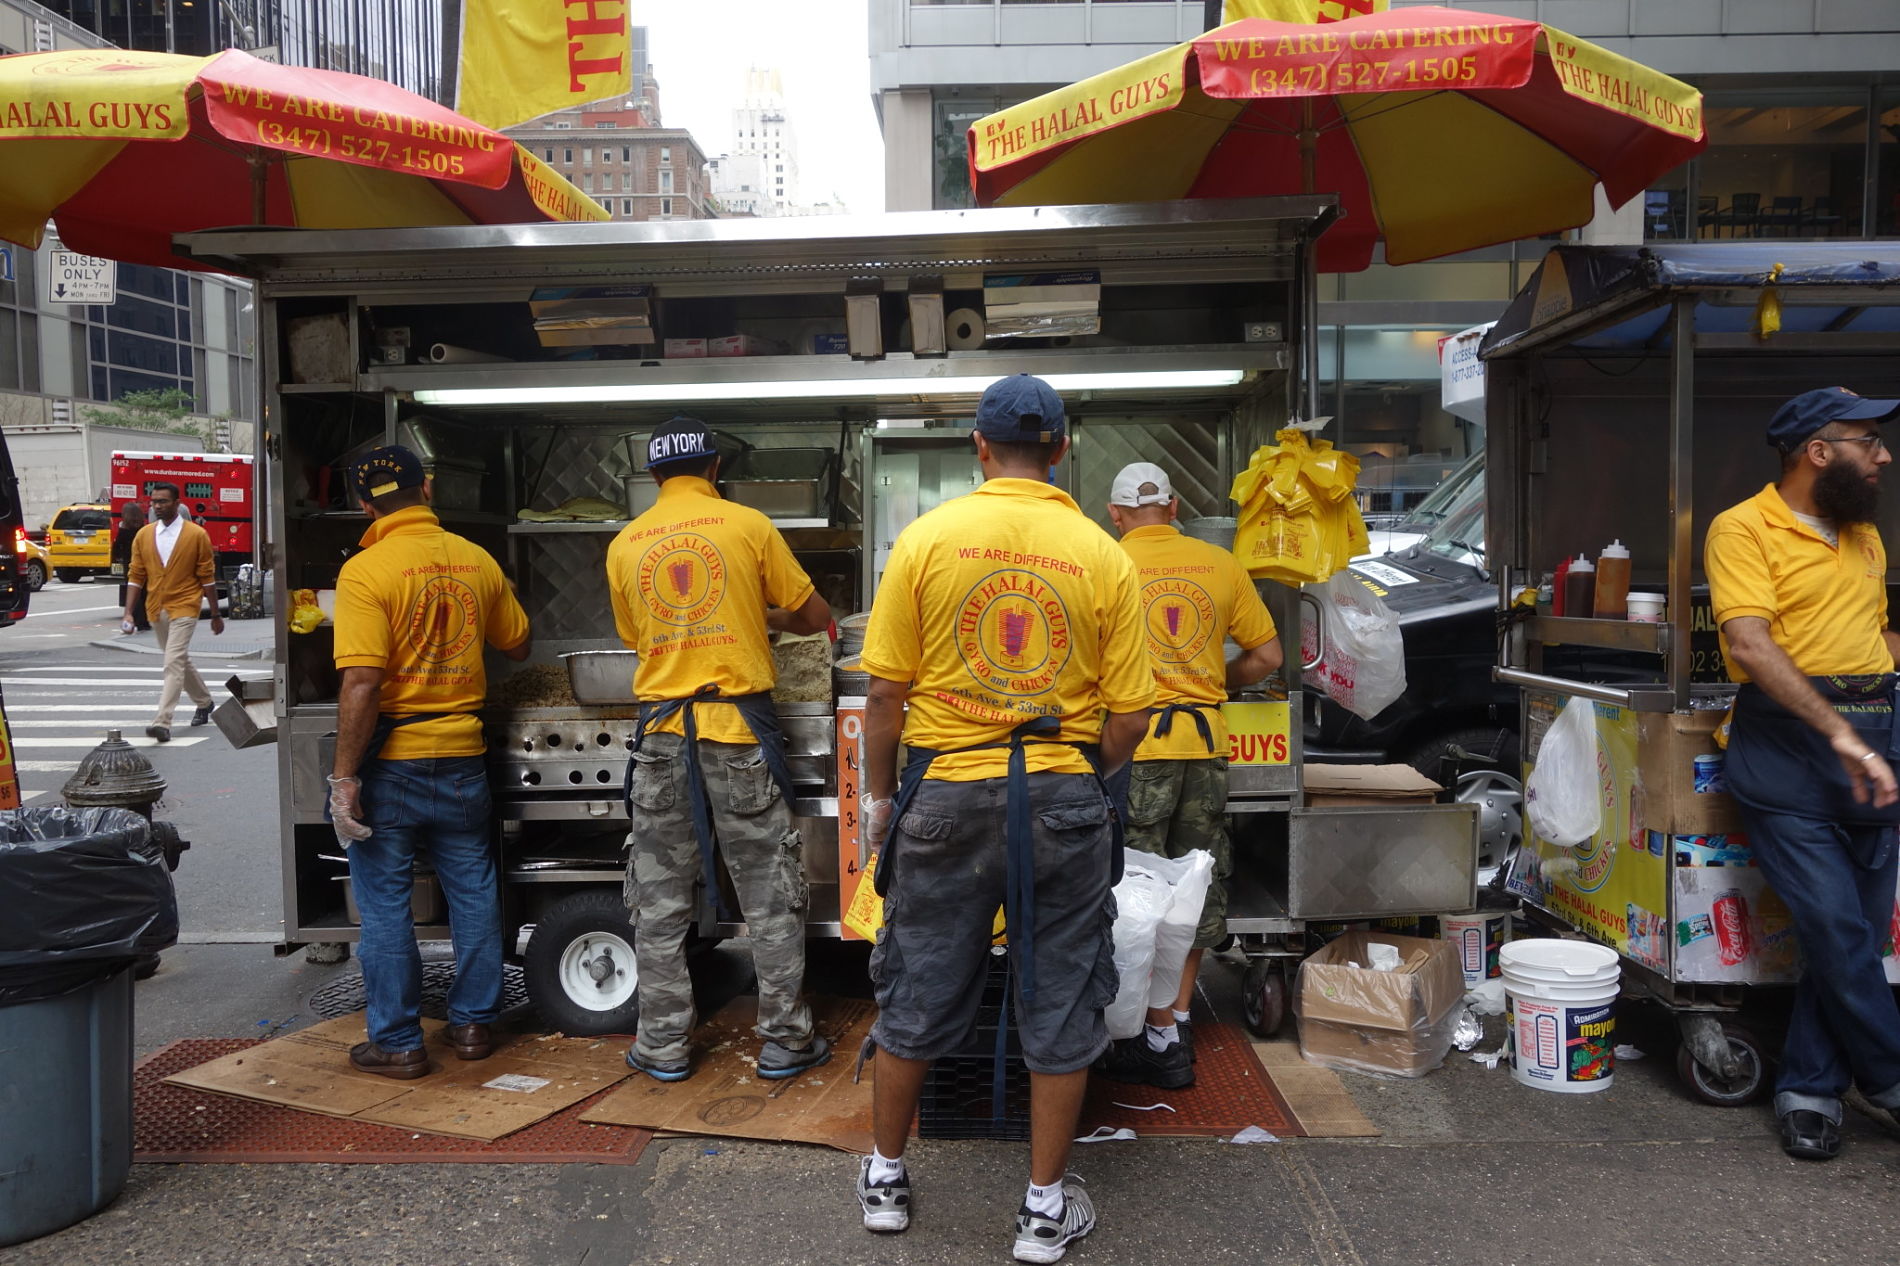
point(525, 58)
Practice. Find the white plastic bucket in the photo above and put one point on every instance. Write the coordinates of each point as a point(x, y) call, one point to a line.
point(1561, 1010)
point(1478, 938)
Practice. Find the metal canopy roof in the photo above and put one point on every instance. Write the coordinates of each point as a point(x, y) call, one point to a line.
point(1236, 240)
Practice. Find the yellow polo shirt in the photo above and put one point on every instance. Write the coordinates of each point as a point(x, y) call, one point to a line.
point(1000, 607)
point(1193, 597)
point(690, 580)
point(1826, 606)
point(418, 603)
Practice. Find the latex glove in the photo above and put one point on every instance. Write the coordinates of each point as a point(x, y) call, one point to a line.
point(875, 815)
point(346, 811)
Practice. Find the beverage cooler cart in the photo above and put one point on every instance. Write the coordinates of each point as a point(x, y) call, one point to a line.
point(1177, 335)
point(1628, 392)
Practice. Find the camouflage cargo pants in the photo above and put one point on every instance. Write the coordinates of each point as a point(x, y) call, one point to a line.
point(765, 857)
point(1176, 806)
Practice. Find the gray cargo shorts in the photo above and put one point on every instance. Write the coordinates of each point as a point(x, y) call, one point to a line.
point(946, 859)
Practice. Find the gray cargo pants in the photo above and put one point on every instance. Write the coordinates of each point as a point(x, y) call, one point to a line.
point(766, 859)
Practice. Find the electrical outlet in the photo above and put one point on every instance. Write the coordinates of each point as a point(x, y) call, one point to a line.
point(1264, 332)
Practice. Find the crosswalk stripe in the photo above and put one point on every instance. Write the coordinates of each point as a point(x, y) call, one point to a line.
point(136, 741)
point(46, 766)
point(93, 709)
point(54, 723)
point(152, 683)
point(88, 668)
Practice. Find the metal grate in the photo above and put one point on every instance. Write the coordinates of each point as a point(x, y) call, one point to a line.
point(1188, 449)
point(346, 994)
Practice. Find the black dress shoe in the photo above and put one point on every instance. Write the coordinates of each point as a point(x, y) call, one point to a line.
point(1132, 1060)
point(470, 1041)
point(202, 716)
point(163, 733)
point(367, 1057)
point(1810, 1136)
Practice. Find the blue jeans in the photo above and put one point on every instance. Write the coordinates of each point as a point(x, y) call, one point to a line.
point(439, 807)
point(1838, 883)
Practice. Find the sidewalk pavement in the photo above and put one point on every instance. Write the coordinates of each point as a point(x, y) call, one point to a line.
point(241, 639)
point(1472, 1169)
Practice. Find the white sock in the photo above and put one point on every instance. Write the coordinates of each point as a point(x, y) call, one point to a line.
point(884, 1170)
point(1180, 1017)
point(1161, 1039)
point(1045, 1200)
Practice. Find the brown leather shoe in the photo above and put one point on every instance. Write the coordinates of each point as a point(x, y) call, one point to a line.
point(471, 1041)
point(367, 1057)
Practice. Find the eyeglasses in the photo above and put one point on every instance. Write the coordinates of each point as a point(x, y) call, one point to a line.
point(1874, 443)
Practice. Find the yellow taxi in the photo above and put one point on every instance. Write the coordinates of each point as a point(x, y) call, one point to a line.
point(79, 542)
point(36, 570)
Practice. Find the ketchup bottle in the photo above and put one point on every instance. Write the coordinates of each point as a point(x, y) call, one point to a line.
point(1580, 584)
point(1557, 587)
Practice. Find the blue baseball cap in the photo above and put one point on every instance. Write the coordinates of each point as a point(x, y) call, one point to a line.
point(1808, 412)
point(382, 471)
point(1021, 409)
point(679, 439)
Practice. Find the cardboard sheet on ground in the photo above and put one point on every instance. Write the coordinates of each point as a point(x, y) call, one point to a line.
point(526, 1080)
point(725, 1095)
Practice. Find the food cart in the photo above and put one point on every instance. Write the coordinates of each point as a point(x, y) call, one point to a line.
point(1628, 390)
point(847, 408)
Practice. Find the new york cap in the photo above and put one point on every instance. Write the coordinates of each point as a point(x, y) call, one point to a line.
point(679, 439)
point(1141, 484)
point(1021, 409)
point(382, 471)
point(1808, 412)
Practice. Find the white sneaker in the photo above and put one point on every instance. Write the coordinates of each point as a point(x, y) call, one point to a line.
point(1045, 1239)
point(886, 1206)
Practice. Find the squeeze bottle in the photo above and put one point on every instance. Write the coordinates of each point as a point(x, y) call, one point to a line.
point(1580, 583)
point(1613, 582)
point(1557, 587)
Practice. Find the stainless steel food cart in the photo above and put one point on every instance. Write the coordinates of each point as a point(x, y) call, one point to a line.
point(1204, 327)
point(1628, 391)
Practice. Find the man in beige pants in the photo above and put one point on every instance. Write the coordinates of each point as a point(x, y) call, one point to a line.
point(174, 570)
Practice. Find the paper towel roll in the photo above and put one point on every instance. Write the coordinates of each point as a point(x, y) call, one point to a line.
point(963, 330)
point(449, 354)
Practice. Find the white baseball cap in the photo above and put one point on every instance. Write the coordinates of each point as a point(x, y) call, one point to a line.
point(1141, 484)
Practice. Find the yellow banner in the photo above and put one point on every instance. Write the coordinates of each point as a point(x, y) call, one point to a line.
point(1258, 733)
point(1303, 11)
point(525, 58)
point(1616, 83)
point(1114, 97)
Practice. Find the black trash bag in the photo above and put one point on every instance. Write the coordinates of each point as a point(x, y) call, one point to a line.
point(84, 893)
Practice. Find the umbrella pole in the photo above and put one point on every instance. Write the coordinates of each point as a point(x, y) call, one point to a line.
point(1309, 271)
point(258, 177)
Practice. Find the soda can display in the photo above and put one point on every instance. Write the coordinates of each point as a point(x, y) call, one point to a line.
point(1730, 916)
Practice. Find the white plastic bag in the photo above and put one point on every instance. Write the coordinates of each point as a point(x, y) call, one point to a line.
point(1362, 664)
point(1157, 908)
point(1561, 798)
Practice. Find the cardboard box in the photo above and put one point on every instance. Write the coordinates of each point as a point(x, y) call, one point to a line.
point(676, 348)
point(1394, 1022)
point(742, 345)
point(592, 316)
point(830, 344)
point(1668, 748)
point(1382, 786)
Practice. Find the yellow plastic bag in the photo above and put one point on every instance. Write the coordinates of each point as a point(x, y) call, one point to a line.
point(1298, 520)
point(305, 614)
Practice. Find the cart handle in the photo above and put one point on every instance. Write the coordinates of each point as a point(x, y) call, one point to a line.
point(1319, 631)
point(1636, 699)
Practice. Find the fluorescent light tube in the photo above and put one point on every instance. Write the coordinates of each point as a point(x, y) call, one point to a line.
point(829, 389)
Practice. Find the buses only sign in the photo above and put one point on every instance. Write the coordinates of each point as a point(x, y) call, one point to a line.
point(75, 278)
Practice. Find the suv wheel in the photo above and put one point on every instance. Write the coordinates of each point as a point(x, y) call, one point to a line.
point(67, 575)
point(35, 574)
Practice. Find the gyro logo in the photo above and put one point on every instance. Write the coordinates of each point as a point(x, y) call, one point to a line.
point(682, 578)
point(1180, 617)
point(1013, 633)
point(445, 621)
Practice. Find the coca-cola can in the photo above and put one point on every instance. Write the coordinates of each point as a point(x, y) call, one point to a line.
point(1731, 926)
point(1893, 930)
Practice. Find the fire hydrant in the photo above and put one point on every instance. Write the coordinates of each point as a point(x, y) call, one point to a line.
point(114, 776)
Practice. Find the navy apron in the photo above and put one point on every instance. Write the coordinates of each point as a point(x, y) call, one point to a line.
point(1778, 763)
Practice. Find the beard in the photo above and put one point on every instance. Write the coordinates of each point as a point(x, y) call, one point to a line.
point(1843, 494)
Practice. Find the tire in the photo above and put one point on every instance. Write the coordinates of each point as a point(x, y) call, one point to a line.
point(35, 575)
point(580, 970)
point(1744, 1088)
point(1263, 997)
point(1500, 741)
point(68, 575)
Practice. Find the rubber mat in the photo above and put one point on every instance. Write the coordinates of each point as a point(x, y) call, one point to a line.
point(174, 1124)
point(1232, 1090)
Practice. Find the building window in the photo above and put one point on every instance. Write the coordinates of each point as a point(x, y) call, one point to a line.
point(666, 153)
point(626, 206)
point(666, 182)
point(548, 154)
point(587, 157)
point(567, 156)
point(587, 182)
point(626, 182)
point(666, 206)
point(607, 126)
point(626, 153)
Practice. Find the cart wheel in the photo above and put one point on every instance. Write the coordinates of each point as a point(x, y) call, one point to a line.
point(1750, 1075)
point(1263, 996)
point(580, 970)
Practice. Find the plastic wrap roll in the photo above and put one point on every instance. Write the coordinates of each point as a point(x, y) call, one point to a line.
point(449, 354)
point(963, 330)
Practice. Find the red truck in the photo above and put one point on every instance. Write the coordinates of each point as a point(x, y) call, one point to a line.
point(219, 490)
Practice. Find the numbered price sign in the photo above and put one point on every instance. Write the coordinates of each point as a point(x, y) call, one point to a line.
point(1258, 733)
point(860, 911)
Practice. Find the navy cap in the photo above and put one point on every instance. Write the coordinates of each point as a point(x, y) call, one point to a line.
point(385, 470)
point(1808, 412)
point(679, 439)
point(1021, 409)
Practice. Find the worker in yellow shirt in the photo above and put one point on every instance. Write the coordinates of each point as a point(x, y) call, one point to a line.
point(413, 611)
point(1004, 628)
point(697, 584)
point(1194, 597)
point(1798, 579)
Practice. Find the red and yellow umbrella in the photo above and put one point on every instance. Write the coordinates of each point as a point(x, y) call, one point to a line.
point(123, 149)
point(1441, 130)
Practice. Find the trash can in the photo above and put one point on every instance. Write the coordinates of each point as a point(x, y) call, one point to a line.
point(85, 894)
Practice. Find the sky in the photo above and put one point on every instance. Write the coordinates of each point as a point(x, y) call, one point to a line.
point(700, 51)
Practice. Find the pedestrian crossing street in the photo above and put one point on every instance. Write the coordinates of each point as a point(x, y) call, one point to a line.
point(59, 712)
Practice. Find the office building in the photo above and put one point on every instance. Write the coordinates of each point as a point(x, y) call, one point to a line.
point(612, 152)
point(761, 128)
